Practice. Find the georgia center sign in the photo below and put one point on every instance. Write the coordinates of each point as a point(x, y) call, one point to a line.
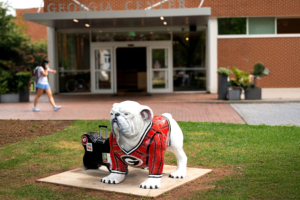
point(129, 5)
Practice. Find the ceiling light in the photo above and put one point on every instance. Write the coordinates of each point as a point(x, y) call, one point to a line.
point(165, 23)
point(75, 20)
point(162, 18)
point(87, 25)
point(187, 39)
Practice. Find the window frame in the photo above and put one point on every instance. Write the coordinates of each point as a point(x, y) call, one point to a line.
point(247, 35)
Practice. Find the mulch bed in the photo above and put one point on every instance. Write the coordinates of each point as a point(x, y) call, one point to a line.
point(16, 130)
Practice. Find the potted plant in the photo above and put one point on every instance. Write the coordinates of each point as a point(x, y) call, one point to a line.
point(23, 85)
point(237, 84)
point(8, 87)
point(223, 82)
point(253, 92)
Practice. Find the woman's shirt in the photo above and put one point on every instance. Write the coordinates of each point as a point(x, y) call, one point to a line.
point(42, 79)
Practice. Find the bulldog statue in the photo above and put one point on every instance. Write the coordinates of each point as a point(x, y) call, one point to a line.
point(139, 139)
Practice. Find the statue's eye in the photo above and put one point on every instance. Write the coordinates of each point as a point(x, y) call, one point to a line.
point(111, 113)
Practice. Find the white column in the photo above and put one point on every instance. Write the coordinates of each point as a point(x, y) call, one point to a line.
point(212, 56)
point(52, 58)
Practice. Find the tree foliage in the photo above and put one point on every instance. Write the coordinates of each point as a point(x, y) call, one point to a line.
point(17, 52)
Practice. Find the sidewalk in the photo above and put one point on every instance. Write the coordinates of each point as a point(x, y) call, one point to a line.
point(171, 97)
point(183, 107)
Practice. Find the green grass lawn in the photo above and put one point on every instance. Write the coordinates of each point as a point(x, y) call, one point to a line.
point(266, 159)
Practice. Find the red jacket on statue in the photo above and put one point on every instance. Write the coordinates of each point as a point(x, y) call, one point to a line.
point(155, 140)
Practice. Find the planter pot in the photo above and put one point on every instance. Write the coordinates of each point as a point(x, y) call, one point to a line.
point(10, 98)
point(253, 93)
point(234, 94)
point(223, 87)
point(24, 95)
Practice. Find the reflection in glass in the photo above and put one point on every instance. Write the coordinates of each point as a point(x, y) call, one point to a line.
point(73, 51)
point(73, 62)
point(288, 26)
point(130, 36)
point(189, 57)
point(73, 82)
point(159, 79)
point(189, 80)
point(232, 26)
point(159, 58)
point(261, 25)
point(103, 80)
point(189, 53)
point(102, 59)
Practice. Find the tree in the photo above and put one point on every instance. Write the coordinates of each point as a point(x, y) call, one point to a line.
point(17, 51)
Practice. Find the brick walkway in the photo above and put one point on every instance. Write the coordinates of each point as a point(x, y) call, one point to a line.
point(95, 107)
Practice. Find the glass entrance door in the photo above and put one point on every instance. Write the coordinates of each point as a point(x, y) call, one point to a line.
point(102, 70)
point(160, 69)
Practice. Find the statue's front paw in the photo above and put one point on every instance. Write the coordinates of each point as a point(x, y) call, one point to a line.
point(152, 182)
point(178, 174)
point(113, 178)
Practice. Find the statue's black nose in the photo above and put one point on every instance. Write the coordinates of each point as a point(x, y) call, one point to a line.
point(117, 114)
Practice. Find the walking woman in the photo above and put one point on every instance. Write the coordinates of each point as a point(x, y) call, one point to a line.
point(43, 85)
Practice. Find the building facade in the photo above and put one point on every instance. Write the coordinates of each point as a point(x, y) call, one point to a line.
point(35, 31)
point(122, 46)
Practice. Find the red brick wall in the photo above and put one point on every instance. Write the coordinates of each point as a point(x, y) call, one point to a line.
point(36, 31)
point(118, 4)
point(232, 8)
point(219, 8)
point(280, 55)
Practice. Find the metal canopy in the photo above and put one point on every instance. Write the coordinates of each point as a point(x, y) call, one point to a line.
point(122, 19)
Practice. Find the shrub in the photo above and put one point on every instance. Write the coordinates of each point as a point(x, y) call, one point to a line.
point(241, 78)
point(224, 71)
point(259, 70)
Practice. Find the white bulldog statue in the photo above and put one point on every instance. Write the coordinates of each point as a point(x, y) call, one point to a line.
point(139, 139)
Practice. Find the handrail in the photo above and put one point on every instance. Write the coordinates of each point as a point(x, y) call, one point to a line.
point(82, 6)
point(42, 3)
point(202, 1)
point(161, 2)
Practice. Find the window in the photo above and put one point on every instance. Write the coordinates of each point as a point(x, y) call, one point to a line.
point(232, 26)
point(261, 25)
point(189, 54)
point(258, 26)
point(285, 26)
point(73, 61)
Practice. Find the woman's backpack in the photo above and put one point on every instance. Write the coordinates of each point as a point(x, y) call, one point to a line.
point(36, 74)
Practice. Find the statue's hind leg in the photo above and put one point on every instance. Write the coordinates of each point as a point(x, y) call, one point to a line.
point(176, 147)
point(181, 163)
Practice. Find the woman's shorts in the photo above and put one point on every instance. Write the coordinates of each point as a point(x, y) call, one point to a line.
point(43, 86)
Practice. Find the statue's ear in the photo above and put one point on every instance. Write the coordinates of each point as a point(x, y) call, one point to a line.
point(115, 105)
point(146, 113)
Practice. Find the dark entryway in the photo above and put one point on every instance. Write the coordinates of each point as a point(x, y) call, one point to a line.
point(132, 70)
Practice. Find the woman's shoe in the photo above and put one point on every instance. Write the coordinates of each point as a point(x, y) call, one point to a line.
point(35, 109)
point(56, 108)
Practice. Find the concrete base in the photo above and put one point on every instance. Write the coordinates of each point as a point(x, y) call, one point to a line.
point(280, 93)
point(91, 179)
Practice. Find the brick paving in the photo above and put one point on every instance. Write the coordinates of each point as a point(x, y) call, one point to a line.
point(95, 107)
